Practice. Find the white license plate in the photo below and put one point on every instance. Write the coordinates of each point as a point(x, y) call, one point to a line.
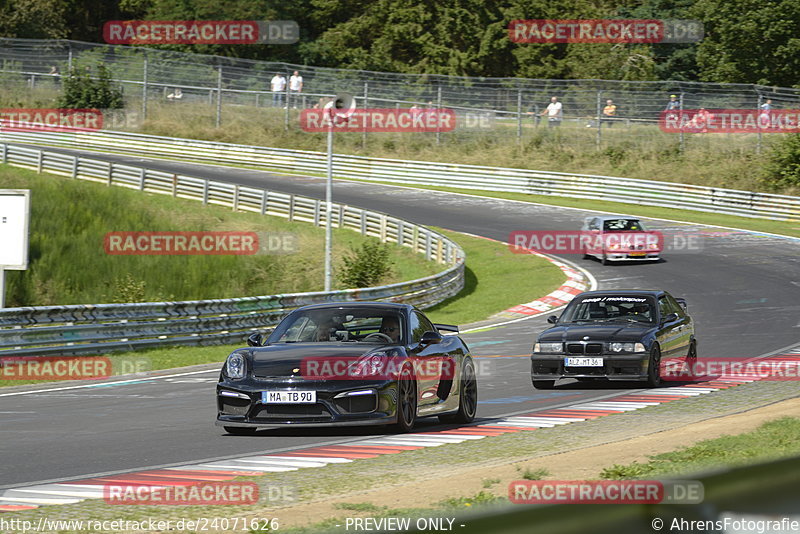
point(288, 397)
point(583, 362)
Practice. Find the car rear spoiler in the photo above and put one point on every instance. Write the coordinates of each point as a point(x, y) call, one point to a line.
point(446, 327)
point(683, 304)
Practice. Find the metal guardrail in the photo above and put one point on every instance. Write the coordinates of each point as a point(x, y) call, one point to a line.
point(100, 328)
point(584, 186)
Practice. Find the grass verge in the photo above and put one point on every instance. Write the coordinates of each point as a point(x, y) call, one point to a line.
point(69, 265)
point(773, 440)
point(495, 279)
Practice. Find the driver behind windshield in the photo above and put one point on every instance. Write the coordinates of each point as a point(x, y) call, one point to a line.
point(640, 310)
point(390, 326)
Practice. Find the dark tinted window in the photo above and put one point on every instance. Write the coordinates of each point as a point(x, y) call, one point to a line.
point(419, 325)
point(610, 308)
point(623, 225)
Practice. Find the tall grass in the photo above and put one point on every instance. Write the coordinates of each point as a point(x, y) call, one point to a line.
point(635, 151)
point(68, 264)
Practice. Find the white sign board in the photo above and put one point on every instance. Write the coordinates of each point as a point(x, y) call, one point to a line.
point(14, 215)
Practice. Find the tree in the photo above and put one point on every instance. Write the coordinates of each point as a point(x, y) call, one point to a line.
point(749, 41)
point(82, 91)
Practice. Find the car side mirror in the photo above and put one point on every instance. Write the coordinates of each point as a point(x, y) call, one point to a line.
point(553, 319)
point(255, 340)
point(429, 338)
point(670, 317)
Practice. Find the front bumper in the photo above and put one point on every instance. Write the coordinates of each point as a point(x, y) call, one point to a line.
point(239, 403)
point(626, 256)
point(615, 367)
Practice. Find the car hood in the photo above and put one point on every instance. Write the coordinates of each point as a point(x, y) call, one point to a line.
point(595, 332)
point(281, 359)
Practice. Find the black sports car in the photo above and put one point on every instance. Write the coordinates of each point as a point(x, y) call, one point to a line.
point(351, 364)
point(615, 335)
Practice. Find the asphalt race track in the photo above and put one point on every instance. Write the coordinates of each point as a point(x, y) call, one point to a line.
point(743, 291)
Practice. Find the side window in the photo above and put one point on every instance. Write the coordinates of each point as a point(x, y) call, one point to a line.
point(419, 325)
point(665, 307)
point(677, 308)
point(593, 225)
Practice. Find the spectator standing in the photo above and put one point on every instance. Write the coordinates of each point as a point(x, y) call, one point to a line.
point(672, 109)
point(295, 86)
point(554, 112)
point(765, 113)
point(54, 72)
point(278, 86)
point(673, 103)
point(609, 113)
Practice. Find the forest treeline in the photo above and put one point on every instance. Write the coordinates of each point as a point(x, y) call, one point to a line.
point(746, 41)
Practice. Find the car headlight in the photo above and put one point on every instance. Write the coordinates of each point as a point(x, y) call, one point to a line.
point(235, 366)
point(548, 347)
point(625, 347)
point(654, 246)
point(370, 365)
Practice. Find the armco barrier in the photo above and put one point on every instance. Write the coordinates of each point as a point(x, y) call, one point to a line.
point(615, 189)
point(100, 328)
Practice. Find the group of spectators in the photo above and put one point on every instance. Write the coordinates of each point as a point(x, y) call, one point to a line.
point(555, 113)
point(278, 87)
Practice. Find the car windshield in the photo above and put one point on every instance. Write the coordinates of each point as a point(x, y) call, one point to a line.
point(623, 225)
point(332, 325)
point(609, 309)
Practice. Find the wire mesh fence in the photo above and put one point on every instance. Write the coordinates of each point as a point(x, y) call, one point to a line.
point(511, 108)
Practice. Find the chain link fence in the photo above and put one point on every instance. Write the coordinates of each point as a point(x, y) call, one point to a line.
point(508, 107)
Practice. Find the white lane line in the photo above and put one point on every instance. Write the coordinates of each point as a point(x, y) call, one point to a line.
point(282, 463)
point(104, 384)
point(53, 489)
point(462, 437)
point(564, 419)
point(38, 500)
point(615, 405)
point(689, 392)
point(245, 468)
point(543, 420)
point(443, 439)
point(524, 425)
point(606, 408)
point(415, 443)
point(328, 459)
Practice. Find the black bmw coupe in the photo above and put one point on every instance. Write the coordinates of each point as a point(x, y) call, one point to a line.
point(614, 335)
point(366, 363)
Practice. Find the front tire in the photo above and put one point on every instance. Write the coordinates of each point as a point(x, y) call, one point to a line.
point(467, 398)
point(240, 430)
point(406, 401)
point(604, 260)
point(654, 368)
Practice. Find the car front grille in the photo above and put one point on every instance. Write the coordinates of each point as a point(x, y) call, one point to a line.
point(584, 348)
point(285, 411)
